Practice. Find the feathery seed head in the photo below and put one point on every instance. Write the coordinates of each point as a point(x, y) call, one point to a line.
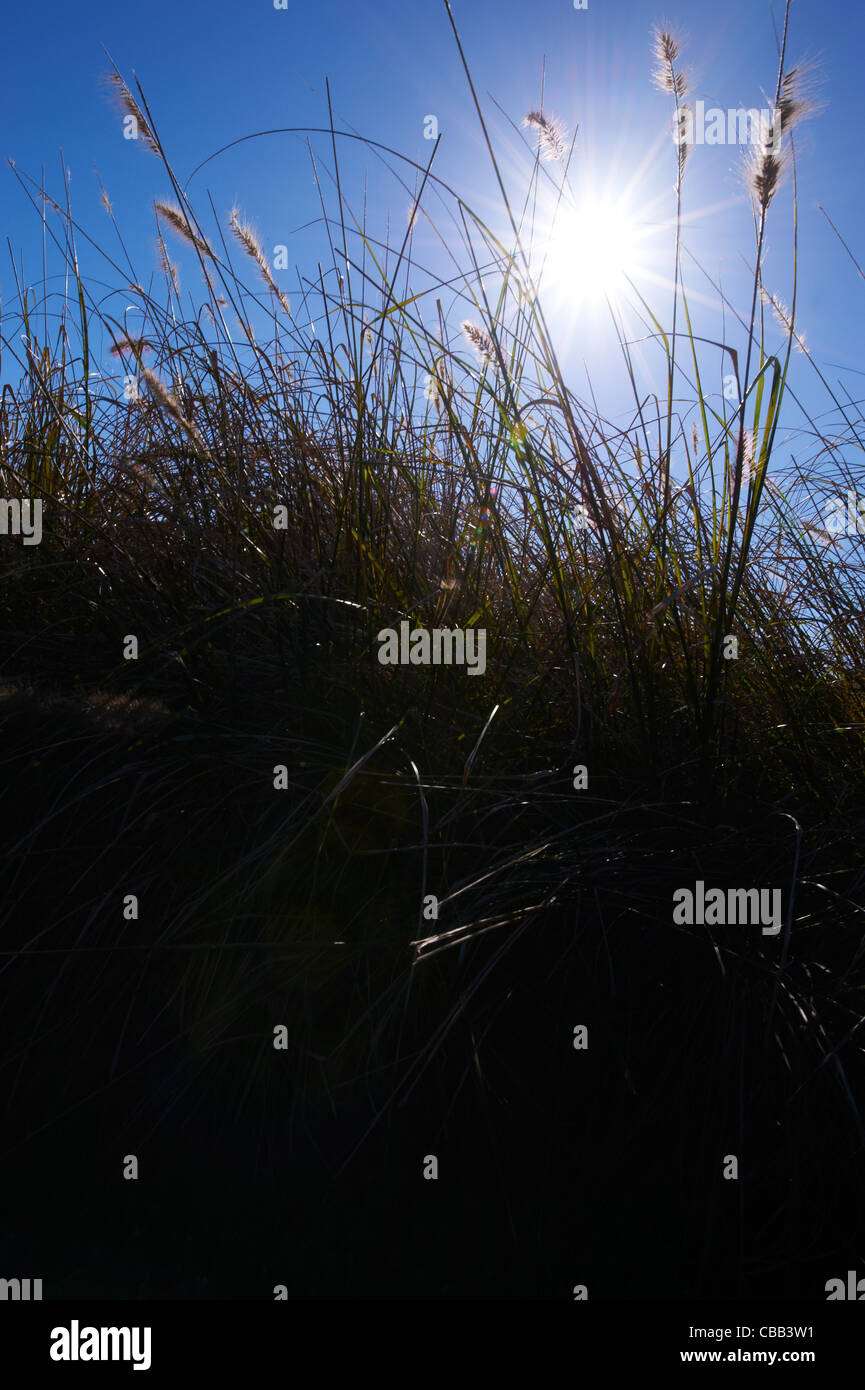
point(666, 45)
point(768, 155)
point(682, 149)
point(778, 307)
point(665, 53)
point(764, 175)
point(785, 319)
point(248, 239)
point(481, 341)
point(132, 471)
point(134, 345)
point(160, 392)
point(169, 403)
point(168, 267)
point(439, 388)
point(747, 444)
point(683, 124)
point(123, 98)
point(797, 100)
point(748, 450)
point(180, 224)
point(551, 135)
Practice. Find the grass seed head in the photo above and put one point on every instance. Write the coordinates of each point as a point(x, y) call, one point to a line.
point(481, 341)
point(180, 224)
point(665, 53)
point(123, 98)
point(252, 246)
point(551, 136)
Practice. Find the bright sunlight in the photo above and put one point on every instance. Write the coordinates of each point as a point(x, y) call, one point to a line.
point(593, 247)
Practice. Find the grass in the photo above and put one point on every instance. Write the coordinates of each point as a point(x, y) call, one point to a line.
point(429, 466)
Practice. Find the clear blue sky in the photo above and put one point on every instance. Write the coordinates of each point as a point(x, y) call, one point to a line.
point(213, 72)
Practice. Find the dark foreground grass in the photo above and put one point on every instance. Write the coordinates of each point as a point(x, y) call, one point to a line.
point(149, 1029)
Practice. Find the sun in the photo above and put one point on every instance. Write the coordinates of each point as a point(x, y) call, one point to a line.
point(592, 251)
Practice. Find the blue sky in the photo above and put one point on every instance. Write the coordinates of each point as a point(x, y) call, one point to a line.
point(215, 72)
